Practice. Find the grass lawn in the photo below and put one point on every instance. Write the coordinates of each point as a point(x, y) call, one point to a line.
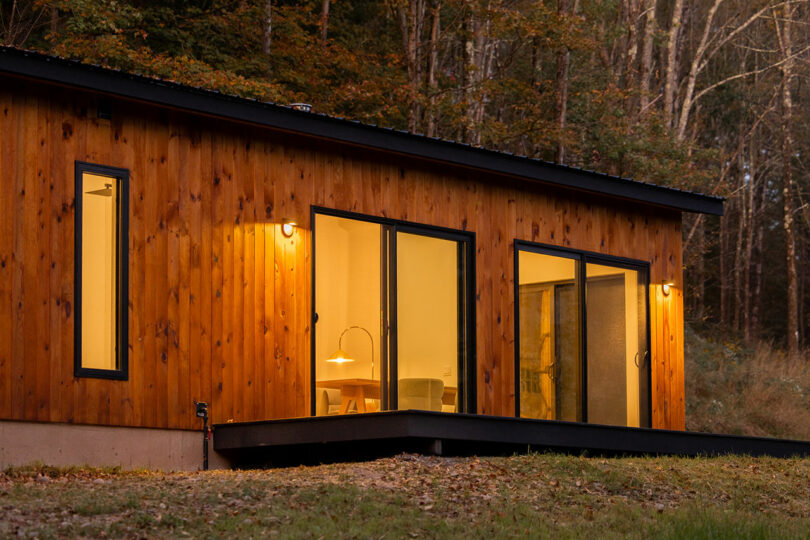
point(541, 495)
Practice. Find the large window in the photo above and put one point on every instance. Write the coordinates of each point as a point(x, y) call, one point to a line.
point(392, 316)
point(582, 337)
point(101, 272)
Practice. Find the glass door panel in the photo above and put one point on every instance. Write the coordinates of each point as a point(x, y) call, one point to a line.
point(568, 368)
point(429, 322)
point(348, 293)
point(550, 373)
point(618, 367)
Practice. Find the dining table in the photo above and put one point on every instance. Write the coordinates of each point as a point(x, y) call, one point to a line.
point(359, 390)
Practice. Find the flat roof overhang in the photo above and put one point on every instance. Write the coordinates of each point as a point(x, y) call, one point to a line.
point(358, 437)
point(118, 83)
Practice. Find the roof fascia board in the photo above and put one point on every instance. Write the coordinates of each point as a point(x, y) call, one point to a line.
point(59, 71)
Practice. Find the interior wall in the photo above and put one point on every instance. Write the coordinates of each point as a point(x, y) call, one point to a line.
point(544, 268)
point(427, 308)
point(347, 293)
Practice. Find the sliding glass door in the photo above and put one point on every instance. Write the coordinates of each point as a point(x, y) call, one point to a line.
point(349, 344)
point(618, 371)
point(582, 337)
point(392, 321)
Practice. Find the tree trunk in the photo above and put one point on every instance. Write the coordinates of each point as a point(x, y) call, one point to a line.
point(432, 65)
point(410, 23)
point(788, 187)
point(756, 294)
point(324, 21)
point(670, 76)
point(694, 69)
point(724, 271)
point(54, 20)
point(268, 27)
point(645, 71)
point(738, 248)
point(631, 8)
point(561, 103)
point(750, 195)
point(472, 70)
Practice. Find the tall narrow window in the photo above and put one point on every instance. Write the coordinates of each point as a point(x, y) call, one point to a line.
point(101, 272)
point(582, 332)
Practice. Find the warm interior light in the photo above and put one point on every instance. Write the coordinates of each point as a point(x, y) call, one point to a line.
point(340, 357)
point(106, 191)
point(666, 287)
point(287, 227)
point(99, 247)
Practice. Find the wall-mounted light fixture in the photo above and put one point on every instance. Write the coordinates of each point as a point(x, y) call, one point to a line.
point(340, 356)
point(666, 287)
point(287, 227)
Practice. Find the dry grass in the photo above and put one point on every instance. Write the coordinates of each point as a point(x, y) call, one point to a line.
point(407, 496)
point(741, 391)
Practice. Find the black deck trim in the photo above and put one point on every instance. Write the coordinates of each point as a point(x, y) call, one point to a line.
point(118, 83)
point(363, 436)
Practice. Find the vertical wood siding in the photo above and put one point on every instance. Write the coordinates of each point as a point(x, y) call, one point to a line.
point(219, 299)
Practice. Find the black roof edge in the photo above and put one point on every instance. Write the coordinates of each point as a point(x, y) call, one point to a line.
point(119, 83)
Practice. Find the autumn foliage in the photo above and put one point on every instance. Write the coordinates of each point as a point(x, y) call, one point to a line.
point(685, 93)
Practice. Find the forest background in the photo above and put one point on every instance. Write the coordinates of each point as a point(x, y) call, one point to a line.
point(702, 95)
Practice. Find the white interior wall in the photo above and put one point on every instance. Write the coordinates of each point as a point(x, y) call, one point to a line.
point(427, 308)
point(347, 293)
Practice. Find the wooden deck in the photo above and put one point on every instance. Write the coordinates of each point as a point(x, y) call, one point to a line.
point(357, 437)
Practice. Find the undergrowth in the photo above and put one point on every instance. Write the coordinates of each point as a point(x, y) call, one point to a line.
point(740, 390)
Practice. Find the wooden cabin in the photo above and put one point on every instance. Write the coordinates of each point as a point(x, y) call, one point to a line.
point(162, 245)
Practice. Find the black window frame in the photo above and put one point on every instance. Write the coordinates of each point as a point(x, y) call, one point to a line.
point(582, 258)
point(121, 176)
point(467, 301)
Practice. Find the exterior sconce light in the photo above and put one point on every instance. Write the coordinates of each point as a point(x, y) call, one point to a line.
point(287, 227)
point(666, 287)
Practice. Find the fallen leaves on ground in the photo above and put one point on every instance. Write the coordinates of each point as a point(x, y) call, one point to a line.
point(415, 496)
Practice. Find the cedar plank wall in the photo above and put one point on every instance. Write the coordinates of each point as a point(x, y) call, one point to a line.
point(219, 299)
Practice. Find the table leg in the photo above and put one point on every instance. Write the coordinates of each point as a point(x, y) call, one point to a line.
point(361, 399)
point(345, 401)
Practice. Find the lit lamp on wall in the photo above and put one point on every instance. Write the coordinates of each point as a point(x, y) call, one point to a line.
point(341, 357)
point(287, 227)
point(666, 287)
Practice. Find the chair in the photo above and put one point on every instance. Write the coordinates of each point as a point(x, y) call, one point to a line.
point(450, 408)
point(424, 394)
point(327, 402)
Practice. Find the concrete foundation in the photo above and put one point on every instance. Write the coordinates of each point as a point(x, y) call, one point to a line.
point(62, 445)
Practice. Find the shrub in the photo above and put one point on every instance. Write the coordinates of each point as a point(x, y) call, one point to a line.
point(739, 390)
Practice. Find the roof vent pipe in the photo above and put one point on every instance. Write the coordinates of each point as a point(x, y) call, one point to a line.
point(304, 107)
